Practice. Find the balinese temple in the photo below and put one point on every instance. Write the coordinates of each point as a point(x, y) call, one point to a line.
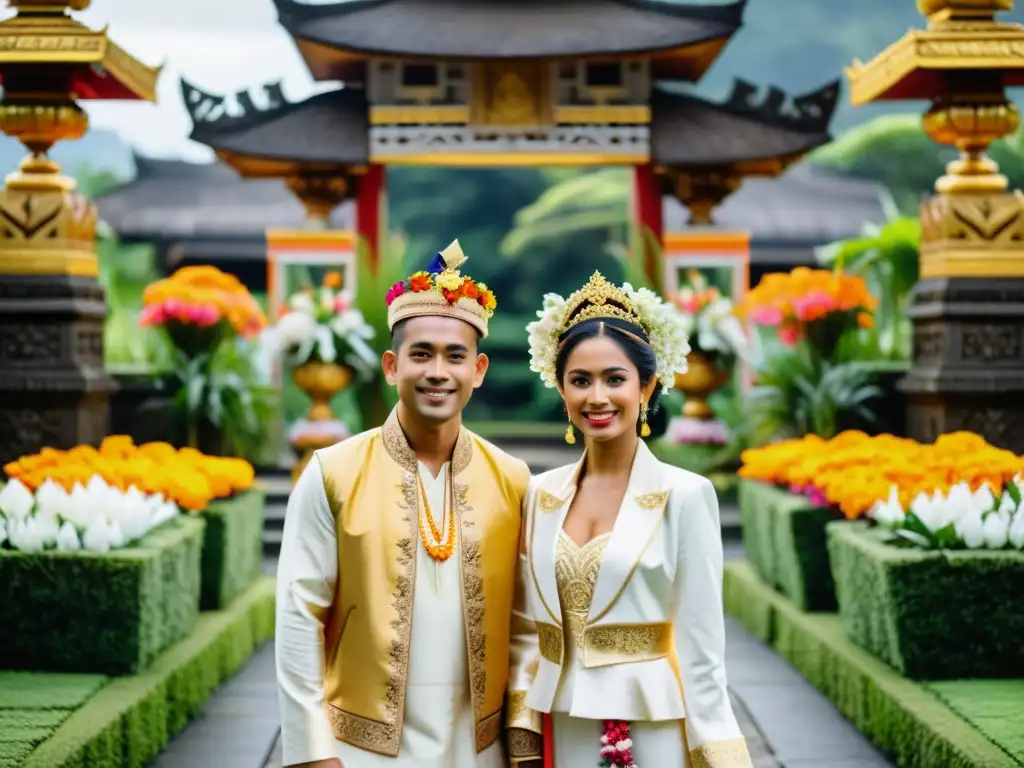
point(510, 83)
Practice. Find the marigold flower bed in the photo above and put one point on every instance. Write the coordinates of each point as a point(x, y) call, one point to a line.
point(189, 478)
point(852, 471)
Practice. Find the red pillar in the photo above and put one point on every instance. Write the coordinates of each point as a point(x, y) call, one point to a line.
point(646, 214)
point(372, 212)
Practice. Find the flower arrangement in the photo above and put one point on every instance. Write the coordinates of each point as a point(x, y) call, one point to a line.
point(806, 302)
point(664, 324)
point(321, 326)
point(450, 284)
point(187, 477)
point(960, 518)
point(854, 471)
point(96, 517)
point(713, 327)
point(616, 745)
point(201, 299)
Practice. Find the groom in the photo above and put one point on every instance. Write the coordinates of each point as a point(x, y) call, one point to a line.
point(397, 567)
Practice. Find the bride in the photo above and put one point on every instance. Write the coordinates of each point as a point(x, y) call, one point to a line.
point(619, 638)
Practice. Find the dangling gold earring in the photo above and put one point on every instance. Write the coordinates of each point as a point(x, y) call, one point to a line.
point(570, 436)
point(645, 429)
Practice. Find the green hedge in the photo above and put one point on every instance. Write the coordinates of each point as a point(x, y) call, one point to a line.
point(907, 720)
point(232, 548)
point(785, 539)
point(930, 614)
point(110, 614)
point(83, 721)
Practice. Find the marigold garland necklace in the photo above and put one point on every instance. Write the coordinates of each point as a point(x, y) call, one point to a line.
point(439, 549)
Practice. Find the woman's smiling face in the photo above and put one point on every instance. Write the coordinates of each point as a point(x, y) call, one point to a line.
point(602, 389)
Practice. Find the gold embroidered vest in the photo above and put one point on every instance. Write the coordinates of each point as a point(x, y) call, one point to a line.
point(371, 485)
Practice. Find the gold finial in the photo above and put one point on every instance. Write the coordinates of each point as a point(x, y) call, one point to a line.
point(599, 298)
point(453, 256)
point(49, 6)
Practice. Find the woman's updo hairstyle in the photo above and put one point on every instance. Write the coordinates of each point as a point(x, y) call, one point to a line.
point(633, 341)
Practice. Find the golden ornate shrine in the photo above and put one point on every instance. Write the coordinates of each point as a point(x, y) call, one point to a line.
point(968, 329)
point(53, 390)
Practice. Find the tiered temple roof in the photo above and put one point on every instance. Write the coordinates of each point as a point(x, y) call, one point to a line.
point(690, 131)
point(505, 29)
point(329, 129)
point(332, 129)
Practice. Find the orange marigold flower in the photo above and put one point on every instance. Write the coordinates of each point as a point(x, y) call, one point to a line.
point(332, 280)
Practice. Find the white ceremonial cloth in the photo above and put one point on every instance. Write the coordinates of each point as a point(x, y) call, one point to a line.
point(438, 731)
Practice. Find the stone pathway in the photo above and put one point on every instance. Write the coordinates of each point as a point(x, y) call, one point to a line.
point(787, 723)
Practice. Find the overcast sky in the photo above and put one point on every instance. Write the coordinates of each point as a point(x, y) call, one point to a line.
point(221, 46)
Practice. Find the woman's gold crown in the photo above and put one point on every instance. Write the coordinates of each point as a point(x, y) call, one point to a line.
point(599, 298)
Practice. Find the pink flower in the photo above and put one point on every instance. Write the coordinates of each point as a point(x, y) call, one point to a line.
point(789, 335)
point(396, 290)
point(766, 315)
point(814, 306)
point(152, 315)
point(340, 305)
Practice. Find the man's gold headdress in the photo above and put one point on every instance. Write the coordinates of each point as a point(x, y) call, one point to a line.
point(662, 323)
point(441, 289)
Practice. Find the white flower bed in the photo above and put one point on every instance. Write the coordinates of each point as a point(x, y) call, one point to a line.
point(95, 518)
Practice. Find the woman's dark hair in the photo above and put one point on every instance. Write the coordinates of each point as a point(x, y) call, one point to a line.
point(634, 343)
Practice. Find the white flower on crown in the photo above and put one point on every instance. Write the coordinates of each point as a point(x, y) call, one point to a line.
point(666, 328)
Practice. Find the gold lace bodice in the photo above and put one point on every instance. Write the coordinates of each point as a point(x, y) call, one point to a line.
point(576, 570)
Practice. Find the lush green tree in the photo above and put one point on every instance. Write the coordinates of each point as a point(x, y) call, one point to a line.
point(894, 150)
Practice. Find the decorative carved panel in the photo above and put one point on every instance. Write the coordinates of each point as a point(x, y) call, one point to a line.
point(29, 343)
point(25, 430)
point(512, 94)
point(991, 343)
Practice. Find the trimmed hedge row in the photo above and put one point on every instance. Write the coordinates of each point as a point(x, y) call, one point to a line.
point(931, 615)
point(784, 536)
point(232, 548)
point(110, 614)
point(905, 719)
point(78, 721)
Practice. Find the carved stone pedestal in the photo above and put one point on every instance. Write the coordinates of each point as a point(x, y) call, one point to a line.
point(53, 389)
point(968, 370)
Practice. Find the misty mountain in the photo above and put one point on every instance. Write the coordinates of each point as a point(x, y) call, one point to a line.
point(98, 149)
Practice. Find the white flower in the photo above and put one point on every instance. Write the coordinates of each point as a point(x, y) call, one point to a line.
point(97, 536)
point(935, 511)
point(51, 499)
point(543, 337)
point(889, 513)
point(997, 529)
point(47, 528)
point(3, 530)
point(1015, 534)
point(971, 529)
point(80, 510)
point(16, 501)
point(302, 302)
point(295, 328)
point(67, 539)
point(24, 534)
point(135, 514)
point(623, 745)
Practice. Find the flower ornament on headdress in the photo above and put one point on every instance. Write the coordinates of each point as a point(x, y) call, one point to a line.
point(442, 290)
point(661, 322)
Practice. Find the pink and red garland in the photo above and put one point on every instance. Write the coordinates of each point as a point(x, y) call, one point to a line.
point(617, 745)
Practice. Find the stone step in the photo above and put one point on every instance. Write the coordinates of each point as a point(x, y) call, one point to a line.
point(277, 485)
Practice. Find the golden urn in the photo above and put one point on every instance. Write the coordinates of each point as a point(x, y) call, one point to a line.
point(701, 379)
point(321, 382)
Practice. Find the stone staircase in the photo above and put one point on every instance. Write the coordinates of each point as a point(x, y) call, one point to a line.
point(541, 453)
